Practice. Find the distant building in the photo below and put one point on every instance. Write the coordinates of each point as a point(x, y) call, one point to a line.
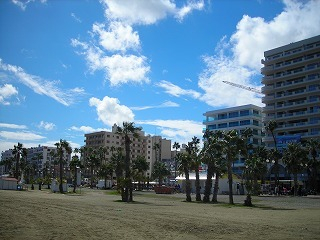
point(238, 118)
point(141, 146)
point(292, 90)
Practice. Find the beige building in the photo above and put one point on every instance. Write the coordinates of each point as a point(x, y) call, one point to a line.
point(142, 146)
point(292, 90)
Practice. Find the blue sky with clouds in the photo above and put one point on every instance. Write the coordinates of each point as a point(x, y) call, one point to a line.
point(72, 67)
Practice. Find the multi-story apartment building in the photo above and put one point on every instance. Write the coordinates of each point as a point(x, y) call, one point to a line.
point(41, 159)
point(238, 118)
point(292, 90)
point(141, 146)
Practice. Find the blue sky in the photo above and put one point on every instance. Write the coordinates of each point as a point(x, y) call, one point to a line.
point(72, 67)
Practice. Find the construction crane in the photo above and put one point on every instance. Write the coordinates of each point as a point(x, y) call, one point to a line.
point(243, 87)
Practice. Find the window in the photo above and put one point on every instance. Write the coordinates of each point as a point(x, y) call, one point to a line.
point(233, 124)
point(233, 114)
point(244, 122)
point(244, 112)
point(211, 127)
point(222, 116)
point(222, 125)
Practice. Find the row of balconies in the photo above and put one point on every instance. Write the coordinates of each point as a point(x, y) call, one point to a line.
point(289, 84)
point(282, 96)
point(289, 64)
point(291, 54)
point(291, 104)
point(287, 75)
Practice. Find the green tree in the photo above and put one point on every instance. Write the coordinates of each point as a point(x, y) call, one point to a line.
point(233, 143)
point(18, 151)
point(295, 157)
point(212, 155)
point(128, 130)
point(74, 165)
point(117, 160)
point(184, 166)
point(176, 146)
point(313, 147)
point(140, 166)
point(193, 150)
point(62, 147)
point(270, 127)
point(159, 171)
point(106, 171)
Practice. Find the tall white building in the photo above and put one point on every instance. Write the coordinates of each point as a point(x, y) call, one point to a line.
point(238, 118)
point(292, 90)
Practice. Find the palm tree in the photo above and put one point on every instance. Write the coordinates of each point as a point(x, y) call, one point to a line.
point(117, 160)
point(62, 147)
point(184, 165)
point(255, 167)
point(74, 165)
point(128, 129)
point(176, 146)
point(106, 170)
point(157, 147)
point(232, 145)
point(193, 150)
point(271, 127)
point(211, 154)
point(160, 171)
point(18, 151)
point(313, 147)
point(295, 157)
point(140, 166)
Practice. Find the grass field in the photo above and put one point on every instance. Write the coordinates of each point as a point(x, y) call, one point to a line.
point(97, 214)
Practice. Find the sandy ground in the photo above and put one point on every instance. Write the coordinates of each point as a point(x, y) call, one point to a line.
point(97, 214)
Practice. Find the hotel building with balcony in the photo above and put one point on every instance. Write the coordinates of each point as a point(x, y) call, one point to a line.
point(238, 118)
point(292, 90)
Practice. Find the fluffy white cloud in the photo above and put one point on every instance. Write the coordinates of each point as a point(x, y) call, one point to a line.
point(148, 11)
point(118, 37)
point(253, 36)
point(299, 20)
point(176, 91)
point(110, 111)
point(46, 125)
point(88, 129)
point(6, 92)
point(20, 136)
point(180, 131)
point(42, 86)
point(119, 69)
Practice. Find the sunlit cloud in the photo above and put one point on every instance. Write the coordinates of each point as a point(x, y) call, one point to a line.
point(162, 105)
point(177, 91)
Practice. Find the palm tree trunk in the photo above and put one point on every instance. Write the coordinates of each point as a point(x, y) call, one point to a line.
point(230, 181)
point(295, 180)
point(197, 183)
point(60, 175)
point(208, 186)
point(75, 179)
point(188, 186)
point(216, 188)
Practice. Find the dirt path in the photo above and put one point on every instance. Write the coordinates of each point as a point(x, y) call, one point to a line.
point(96, 215)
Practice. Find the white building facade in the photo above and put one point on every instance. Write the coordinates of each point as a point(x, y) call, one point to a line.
point(292, 90)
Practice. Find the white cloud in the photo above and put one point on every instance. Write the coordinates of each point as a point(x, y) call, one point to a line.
point(147, 11)
point(180, 131)
point(13, 126)
point(176, 91)
point(163, 105)
point(238, 59)
point(119, 69)
point(24, 3)
point(20, 136)
point(6, 92)
point(87, 129)
point(110, 111)
point(299, 20)
point(46, 125)
point(118, 37)
point(73, 15)
point(42, 86)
